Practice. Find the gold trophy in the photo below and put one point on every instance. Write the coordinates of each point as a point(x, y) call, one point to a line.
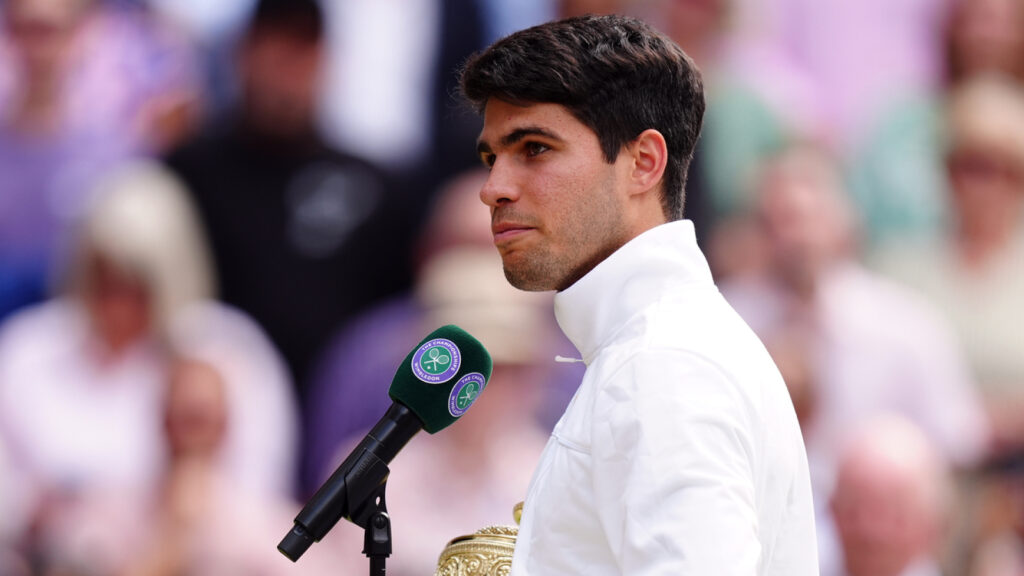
point(488, 552)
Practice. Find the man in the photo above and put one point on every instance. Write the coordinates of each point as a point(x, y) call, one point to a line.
point(891, 501)
point(303, 236)
point(680, 453)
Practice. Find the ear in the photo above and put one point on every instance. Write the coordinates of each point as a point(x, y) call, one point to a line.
point(650, 156)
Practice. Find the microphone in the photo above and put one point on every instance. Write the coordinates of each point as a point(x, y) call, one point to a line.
point(436, 383)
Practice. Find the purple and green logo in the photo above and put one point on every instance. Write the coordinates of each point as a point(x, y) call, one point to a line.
point(436, 361)
point(465, 392)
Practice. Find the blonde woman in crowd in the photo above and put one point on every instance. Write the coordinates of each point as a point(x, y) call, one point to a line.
point(82, 378)
point(220, 422)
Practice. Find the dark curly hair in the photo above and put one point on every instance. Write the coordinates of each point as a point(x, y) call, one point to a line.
point(616, 75)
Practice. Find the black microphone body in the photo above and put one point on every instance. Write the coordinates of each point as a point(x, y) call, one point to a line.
point(353, 484)
point(432, 388)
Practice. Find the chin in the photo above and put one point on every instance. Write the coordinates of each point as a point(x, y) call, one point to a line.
point(526, 284)
point(527, 281)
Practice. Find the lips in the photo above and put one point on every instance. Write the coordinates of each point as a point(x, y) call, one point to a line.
point(508, 231)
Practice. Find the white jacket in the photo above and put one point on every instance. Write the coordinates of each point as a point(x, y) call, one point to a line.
point(680, 453)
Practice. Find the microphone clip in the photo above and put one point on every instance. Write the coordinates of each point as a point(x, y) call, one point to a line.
point(377, 530)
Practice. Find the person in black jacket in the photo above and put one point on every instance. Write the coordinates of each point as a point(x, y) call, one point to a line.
point(303, 236)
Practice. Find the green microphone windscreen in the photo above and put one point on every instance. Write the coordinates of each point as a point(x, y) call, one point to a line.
point(442, 377)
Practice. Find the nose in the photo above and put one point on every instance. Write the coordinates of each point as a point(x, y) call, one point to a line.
point(500, 186)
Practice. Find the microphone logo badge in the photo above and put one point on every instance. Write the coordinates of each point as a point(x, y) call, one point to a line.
point(465, 392)
point(436, 361)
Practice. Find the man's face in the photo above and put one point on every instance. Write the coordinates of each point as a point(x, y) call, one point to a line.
point(280, 77)
point(557, 206)
point(880, 518)
point(987, 188)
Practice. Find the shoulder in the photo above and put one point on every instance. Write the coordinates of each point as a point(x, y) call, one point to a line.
point(675, 386)
point(39, 332)
point(701, 329)
point(696, 356)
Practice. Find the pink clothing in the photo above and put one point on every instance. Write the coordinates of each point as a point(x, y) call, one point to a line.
point(75, 423)
point(121, 65)
point(876, 349)
point(71, 422)
point(856, 55)
point(123, 72)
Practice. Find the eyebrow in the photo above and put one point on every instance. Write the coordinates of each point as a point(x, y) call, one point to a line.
point(517, 135)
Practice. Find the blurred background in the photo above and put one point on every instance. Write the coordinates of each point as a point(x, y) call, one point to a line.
point(223, 225)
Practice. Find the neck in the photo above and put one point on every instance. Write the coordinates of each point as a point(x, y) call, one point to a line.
point(648, 212)
point(978, 244)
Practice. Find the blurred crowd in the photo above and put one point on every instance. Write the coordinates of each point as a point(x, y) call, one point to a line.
point(224, 224)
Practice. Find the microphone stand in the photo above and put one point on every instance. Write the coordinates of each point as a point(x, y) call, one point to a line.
point(376, 523)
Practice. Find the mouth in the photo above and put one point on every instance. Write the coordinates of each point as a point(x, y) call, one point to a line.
point(508, 231)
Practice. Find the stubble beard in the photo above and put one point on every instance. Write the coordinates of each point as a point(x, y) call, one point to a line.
point(542, 270)
point(594, 233)
point(533, 274)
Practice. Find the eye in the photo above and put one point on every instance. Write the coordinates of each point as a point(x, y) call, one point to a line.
point(534, 148)
point(488, 160)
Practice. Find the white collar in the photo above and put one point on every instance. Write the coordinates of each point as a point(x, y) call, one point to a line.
point(591, 311)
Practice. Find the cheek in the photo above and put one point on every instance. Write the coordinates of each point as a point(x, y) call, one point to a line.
point(577, 185)
point(568, 206)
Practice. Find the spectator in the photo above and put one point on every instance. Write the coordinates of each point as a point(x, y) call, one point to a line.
point(871, 347)
point(897, 178)
point(82, 377)
point(303, 237)
point(82, 87)
point(975, 273)
point(202, 517)
point(853, 57)
point(259, 450)
point(891, 502)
